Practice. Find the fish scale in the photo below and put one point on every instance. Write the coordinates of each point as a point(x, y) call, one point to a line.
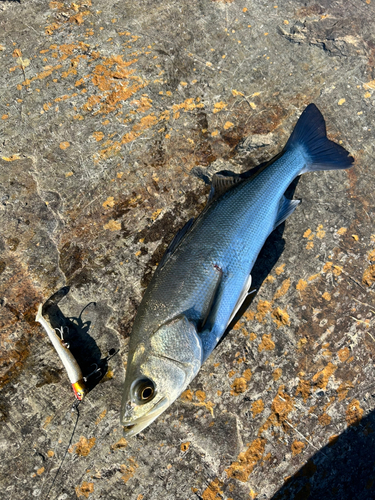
point(204, 276)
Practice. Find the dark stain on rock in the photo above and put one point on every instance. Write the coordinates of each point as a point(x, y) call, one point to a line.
point(267, 121)
point(159, 230)
point(126, 323)
point(124, 206)
point(71, 256)
point(311, 10)
point(2, 266)
point(13, 244)
point(49, 376)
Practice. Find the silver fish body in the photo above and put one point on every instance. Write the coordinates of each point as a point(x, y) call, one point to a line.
point(204, 277)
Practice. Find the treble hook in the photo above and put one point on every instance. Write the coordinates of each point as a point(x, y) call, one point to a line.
point(61, 332)
point(96, 370)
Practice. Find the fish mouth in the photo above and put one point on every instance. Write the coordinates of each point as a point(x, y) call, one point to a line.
point(133, 427)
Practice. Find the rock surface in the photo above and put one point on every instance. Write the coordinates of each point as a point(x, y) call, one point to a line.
point(114, 116)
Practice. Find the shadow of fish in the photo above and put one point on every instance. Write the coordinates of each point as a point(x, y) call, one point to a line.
point(204, 276)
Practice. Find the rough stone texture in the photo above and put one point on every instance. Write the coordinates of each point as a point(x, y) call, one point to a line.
point(113, 117)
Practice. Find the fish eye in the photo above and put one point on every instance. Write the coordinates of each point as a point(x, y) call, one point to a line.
point(144, 390)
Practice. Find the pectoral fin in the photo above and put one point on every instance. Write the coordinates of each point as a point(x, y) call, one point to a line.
point(241, 299)
point(216, 324)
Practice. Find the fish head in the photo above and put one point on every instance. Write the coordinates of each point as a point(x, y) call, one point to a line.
point(157, 373)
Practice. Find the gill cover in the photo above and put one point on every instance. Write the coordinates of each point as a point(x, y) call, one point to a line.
point(157, 374)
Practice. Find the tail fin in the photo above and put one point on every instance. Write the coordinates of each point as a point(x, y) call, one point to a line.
point(310, 135)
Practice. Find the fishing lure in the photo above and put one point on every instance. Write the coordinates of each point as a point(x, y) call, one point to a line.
point(68, 360)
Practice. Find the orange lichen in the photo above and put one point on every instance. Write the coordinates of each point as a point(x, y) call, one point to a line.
point(282, 405)
point(200, 395)
point(301, 342)
point(368, 277)
point(307, 233)
point(267, 344)
point(122, 443)
point(64, 145)
point(326, 267)
point(187, 105)
point(219, 106)
point(322, 377)
point(279, 270)
point(185, 446)
point(101, 416)
point(83, 447)
point(297, 447)
point(247, 374)
point(263, 308)
point(342, 230)
point(85, 489)
point(324, 419)
point(343, 354)
point(283, 289)
point(343, 390)
point(109, 202)
point(301, 285)
point(354, 413)
point(113, 225)
point(98, 136)
point(11, 158)
point(47, 72)
point(277, 374)
point(249, 315)
point(281, 317)
point(187, 395)
point(213, 491)
point(257, 407)
point(40, 471)
point(309, 245)
point(326, 296)
point(208, 405)
point(228, 125)
point(128, 471)
point(319, 232)
point(371, 255)
point(313, 277)
point(246, 461)
point(239, 386)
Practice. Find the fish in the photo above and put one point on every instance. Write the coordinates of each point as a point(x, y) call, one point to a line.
point(71, 366)
point(205, 274)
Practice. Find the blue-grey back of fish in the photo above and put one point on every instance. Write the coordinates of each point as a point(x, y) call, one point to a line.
point(204, 276)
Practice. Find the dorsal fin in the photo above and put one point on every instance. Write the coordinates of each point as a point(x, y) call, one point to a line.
point(221, 184)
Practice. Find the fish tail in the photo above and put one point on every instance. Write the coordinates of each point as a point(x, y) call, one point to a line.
point(309, 135)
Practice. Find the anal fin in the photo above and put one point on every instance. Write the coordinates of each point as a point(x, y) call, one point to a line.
point(286, 208)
